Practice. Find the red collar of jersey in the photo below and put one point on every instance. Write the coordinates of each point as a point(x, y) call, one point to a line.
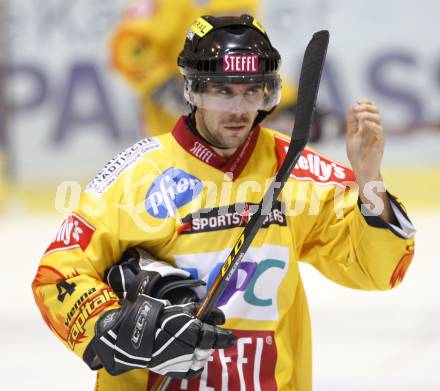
point(202, 151)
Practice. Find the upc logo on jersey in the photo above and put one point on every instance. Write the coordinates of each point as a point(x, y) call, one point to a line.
point(252, 292)
point(248, 365)
point(171, 190)
point(74, 232)
point(240, 63)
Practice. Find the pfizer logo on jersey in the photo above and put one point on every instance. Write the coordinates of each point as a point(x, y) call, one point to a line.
point(171, 190)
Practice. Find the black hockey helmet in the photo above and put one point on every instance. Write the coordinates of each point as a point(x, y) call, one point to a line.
point(230, 49)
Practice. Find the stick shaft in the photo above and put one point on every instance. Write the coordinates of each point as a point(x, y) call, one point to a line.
point(308, 86)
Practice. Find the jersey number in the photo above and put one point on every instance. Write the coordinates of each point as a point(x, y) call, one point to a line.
point(65, 288)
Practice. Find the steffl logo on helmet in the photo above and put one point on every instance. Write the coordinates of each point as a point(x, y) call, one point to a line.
point(240, 63)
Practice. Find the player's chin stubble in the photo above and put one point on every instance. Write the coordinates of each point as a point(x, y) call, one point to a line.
point(220, 137)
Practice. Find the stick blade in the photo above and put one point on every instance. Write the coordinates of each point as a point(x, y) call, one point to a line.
point(311, 70)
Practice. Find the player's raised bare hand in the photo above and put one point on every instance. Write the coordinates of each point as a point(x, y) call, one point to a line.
point(365, 140)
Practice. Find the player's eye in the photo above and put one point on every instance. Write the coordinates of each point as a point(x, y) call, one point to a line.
point(225, 91)
point(253, 91)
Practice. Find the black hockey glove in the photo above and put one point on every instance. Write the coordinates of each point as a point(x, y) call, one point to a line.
point(139, 272)
point(167, 339)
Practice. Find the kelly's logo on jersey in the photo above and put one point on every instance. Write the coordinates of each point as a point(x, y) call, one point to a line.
point(74, 232)
point(230, 216)
point(171, 190)
point(312, 166)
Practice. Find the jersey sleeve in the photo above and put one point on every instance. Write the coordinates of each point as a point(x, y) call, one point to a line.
point(69, 286)
point(357, 251)
point(330, 232)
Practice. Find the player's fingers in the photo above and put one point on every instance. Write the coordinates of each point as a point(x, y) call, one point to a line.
point(352, 121)
point(367, 116)
point(373, 129)
point(370, 107)
point(365, 101)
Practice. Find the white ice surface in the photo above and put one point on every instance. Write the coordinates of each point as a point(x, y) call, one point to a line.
point(362, 340)
point(374, 341)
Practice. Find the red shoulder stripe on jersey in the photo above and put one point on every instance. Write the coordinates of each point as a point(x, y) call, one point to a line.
point(313, 166)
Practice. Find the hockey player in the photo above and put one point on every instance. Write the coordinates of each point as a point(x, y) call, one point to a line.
point(184, 197)
point(138, 55)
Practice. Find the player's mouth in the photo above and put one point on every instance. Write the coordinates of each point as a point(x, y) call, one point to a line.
point(236, 127)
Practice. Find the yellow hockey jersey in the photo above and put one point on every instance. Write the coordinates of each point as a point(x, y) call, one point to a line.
point(174, 196)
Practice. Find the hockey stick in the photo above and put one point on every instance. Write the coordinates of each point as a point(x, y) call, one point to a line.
point(308, 86)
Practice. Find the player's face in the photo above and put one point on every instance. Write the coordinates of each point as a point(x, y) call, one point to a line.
point(228, 126)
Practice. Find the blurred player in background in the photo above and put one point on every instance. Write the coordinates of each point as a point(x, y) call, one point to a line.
point(185, 197)
point(146, 44)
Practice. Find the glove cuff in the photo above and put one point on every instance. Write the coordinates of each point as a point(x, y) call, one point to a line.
point(139, 273)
